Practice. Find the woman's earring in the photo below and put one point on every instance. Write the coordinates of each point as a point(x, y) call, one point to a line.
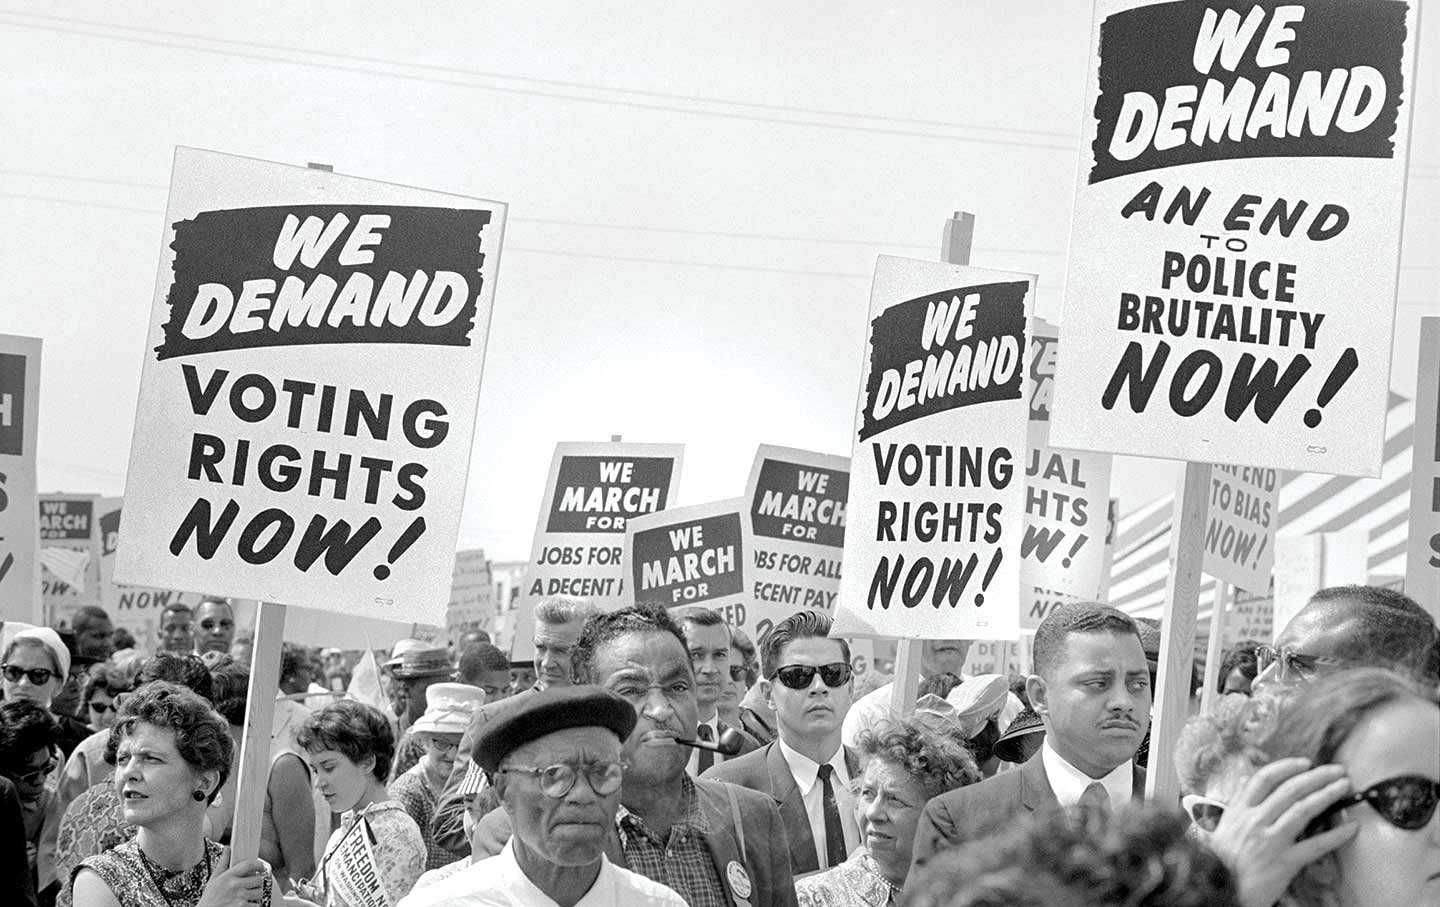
point(199, 796)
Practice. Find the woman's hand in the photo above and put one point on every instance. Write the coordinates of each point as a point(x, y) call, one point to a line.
point(241, 885)
point(1258, 832)
point(306, 890)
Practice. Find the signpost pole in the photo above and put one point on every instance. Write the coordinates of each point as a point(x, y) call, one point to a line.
point(955, 243)
point(1177, 626)
point(1215, 646)
point(253, 772)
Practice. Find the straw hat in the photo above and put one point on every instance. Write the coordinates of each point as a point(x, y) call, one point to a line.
point(423, 663)
point(401, 647)
point(448, 708)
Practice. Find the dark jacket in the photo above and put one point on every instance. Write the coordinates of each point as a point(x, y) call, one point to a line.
point(766, 771)
point(14, 863)
point(953, 818)
point(765, 860)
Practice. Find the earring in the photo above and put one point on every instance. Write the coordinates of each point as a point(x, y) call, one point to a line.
point(199, 796)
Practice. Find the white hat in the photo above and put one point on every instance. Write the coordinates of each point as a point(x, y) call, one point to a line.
point(51, 641)
point(448, 708)
point(401, 647)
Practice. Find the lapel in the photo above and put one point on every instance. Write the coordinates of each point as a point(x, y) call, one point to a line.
point(1035, 790)
point(792, 810)
point(720, 840)
point(1137, 775)
point(852, 764)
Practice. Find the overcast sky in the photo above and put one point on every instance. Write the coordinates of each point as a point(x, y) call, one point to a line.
point(697, 195)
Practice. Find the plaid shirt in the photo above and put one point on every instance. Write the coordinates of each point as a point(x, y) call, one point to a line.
point(683, 862)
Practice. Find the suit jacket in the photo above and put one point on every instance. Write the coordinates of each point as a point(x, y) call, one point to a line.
point(953, 818)
point(766, 771)
point(14, 864)
point(766, 854)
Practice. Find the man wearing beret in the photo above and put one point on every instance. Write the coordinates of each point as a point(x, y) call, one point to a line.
point(717, 845)
point(554, 758)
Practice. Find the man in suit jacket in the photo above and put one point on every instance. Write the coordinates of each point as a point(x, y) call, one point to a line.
point(1092, 690)
point(806, 770)
point(676, 830)
point(707, 636)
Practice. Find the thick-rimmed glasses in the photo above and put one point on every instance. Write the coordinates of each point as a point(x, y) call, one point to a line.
point(557, 780)
point(38, 676)
point(1293, 665)
point(799, 677)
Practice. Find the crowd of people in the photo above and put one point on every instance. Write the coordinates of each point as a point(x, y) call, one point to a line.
point(660, 757)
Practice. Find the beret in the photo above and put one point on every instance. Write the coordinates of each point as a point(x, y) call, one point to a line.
point(512, 723)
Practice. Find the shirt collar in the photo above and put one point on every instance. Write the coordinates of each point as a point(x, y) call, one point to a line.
point(692, 817)
point(1068, 782)
point(806, 770)
point(524, 891)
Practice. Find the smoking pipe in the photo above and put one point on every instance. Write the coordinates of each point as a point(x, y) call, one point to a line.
point(729, 744)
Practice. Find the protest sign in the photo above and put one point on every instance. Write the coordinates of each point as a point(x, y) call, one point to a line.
point(309, 388)
point(351, 874)
point(1063, 545)
point(794, 532)
point(932, 541)
point(19, 529)
point(1305, 564)
point(472, 595)
point(1236, 231)
point(593, 491)
point(692, 556)
point(1240, 531)
point(1422, 553)
point(1248, 616)
point(69, 554)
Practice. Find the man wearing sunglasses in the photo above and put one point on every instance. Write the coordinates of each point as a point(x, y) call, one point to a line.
point(806, 770)
point(554, 759)
point(1351, 627)
point(708, 638)
point(1091, 688)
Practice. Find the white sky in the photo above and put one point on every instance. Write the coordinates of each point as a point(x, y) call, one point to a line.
point(775, 148)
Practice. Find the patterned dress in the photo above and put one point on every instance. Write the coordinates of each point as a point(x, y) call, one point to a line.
point(399, 849)
point(94, 823)
point(855, 883)
point(412, 790)
point(136, 881)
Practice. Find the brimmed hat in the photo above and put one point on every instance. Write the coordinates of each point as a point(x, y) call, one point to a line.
point(398, 652)
point(423, 663)
point(448, 707)
point(518, 720)
point(52, 641)
point(1010, 745)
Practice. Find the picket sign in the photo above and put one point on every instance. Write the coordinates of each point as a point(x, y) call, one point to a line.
point(1215, 647)
point(1422, 554)
point(1177, 626)
point(955, 243)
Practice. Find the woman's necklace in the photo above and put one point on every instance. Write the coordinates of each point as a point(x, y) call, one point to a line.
point(188, 890)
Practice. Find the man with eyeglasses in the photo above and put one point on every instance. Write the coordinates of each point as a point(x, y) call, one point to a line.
point(807, 679)
point(554, 759)
point(708, 638)
point(1351, 627)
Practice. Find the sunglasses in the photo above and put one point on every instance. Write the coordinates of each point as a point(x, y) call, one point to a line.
point(737, 672)
point(38, 676)
point(1202, 810)
point(37, 775)
point(1292, 663)
point(798, 677)
point(102, 707)
point(1405, 802)
point(557, 780)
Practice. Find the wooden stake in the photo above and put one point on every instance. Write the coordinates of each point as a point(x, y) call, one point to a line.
point(253, 770)
point(1177, 627)
point(955, 243)
point(1215, 646)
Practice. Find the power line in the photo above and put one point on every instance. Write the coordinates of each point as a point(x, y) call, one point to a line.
point(562, 83)
point(439, 80)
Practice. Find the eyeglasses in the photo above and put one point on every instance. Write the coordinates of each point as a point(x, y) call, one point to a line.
point(1292, 663)
point(35, 776)
point(102, 707)
point(1203, 811)
point(1405, 802)
point(798, 677)
point(737, 672)
point(38, 676)
point(557, 780)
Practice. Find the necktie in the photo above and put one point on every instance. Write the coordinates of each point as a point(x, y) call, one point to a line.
point(1095, 797)
point(707, 758)
point(834, 834)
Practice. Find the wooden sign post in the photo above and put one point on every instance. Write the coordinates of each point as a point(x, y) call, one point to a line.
point(253, 770)
point(1422, 555)
point(1215, 645)
point(955, 243)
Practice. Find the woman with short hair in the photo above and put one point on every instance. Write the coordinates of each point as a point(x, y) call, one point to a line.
point(103, 683)
point(28, 755)
point(172, 753)
point(905, 764)
point(350, 746)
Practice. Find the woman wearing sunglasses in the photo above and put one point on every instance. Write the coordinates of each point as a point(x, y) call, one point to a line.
point(1218, 752)
point(27, 757)
point(351, 746)
point(35, 667)
point(103, 684)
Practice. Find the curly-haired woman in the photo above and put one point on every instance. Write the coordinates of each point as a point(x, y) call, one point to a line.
point(906, 763)
point(172, 753)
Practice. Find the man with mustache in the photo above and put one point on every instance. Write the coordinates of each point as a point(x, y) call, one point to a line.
point(1091, 688)
point(807, 679)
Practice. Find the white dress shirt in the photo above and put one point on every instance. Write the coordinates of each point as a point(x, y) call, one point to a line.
point(1068, 782)
point(499, 881)
point(693, 766)
point(806, 772)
